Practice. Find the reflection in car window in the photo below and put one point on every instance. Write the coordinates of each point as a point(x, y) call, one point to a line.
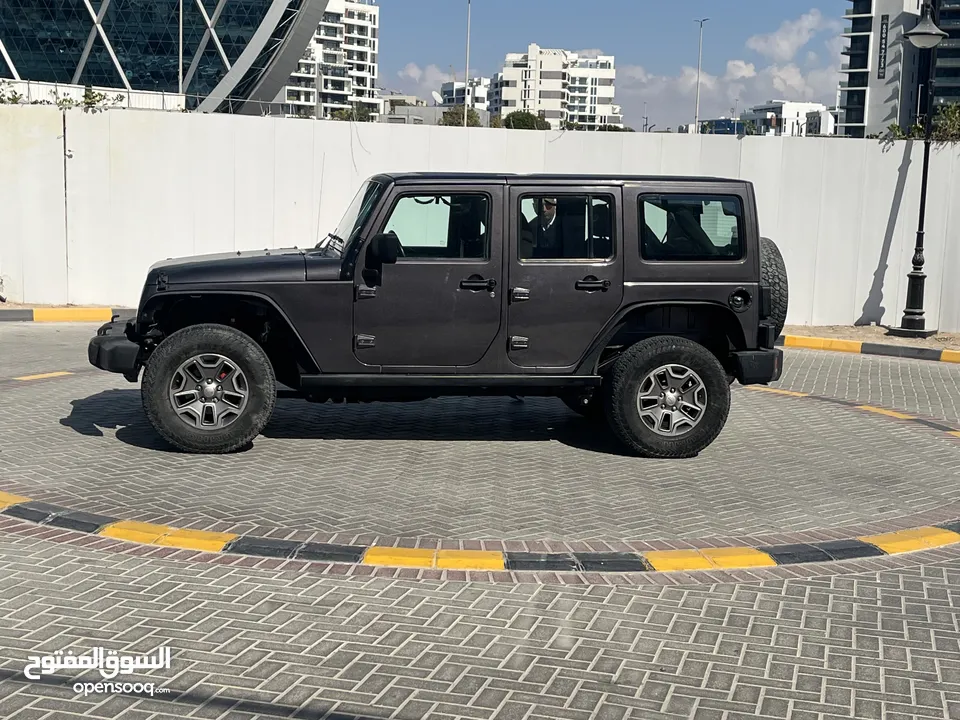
point(691, 227)
point(566, 227)
point(441, 226)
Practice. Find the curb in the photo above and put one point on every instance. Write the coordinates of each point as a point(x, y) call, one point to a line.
point(864, 348)
point(718, 558)
point(65, 314)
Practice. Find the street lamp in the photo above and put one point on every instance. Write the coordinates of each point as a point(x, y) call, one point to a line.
point(466, 73)
point(696, 122)
point(925, 36)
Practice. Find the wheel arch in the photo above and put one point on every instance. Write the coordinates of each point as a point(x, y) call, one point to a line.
point(710, 323)
point(253, 313)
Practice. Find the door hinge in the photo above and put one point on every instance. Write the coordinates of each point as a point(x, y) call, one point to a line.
point(365, 293)
point(365, 341)
point(519, 343)
point(519, 294)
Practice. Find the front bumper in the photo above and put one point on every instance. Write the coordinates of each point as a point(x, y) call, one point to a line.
point(758, 367)
point(113, 351)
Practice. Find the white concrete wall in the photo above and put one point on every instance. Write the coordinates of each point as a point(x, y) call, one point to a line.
point(141, 187)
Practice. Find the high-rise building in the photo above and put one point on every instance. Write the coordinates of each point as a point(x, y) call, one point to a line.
point(339, 68)
point(476, 90)
point(559, 86)
point(235, 55)
point(882, 71)
point(946, 85)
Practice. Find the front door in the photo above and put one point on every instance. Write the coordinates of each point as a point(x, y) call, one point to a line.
point(439, 306)
point(565, 272)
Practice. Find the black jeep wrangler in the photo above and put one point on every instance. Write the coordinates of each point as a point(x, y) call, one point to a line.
point(637, 300)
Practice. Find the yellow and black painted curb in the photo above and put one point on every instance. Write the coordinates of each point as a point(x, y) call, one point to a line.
point(717, 558)
point(62, 314)
point(865, 348)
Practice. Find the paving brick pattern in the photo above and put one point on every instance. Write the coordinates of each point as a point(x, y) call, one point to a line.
point(929, 388)
point(475, 469)
point(250, 643)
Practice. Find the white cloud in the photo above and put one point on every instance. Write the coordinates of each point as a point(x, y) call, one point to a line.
point(589, 53)
point(792, 36)
point(671, 99)
point(421, 82)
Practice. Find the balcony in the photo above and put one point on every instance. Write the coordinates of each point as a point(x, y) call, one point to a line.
point(845, 68)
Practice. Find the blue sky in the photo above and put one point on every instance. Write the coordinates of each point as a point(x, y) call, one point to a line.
point(753, 52)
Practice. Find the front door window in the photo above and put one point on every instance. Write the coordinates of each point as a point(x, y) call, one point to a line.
point(441, 226)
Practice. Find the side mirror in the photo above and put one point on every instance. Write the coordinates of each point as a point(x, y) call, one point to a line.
point(384, 248)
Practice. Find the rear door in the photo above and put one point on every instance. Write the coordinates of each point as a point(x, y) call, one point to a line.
point(565, 271)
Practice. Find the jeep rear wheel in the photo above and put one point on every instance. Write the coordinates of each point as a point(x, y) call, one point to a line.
point(209, 389)
point(668, 397)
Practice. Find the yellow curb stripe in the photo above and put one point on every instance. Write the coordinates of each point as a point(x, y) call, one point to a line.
point(667, 560)
point(8, 499)
point(43, 376)
point(922, 538)
point(135, 531)
point(777, 391)
point(399, 557)
point(470, 560)
point(196, 539)
point(955, 433)
point(884, 411)
point(950, 356)
point(738, 557)
point(815, 343)
point(72, 314)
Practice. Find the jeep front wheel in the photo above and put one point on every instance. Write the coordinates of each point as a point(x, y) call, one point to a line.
point(668, 397)
point(209, 389)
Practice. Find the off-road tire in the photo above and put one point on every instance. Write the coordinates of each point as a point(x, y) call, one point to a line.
point(773, 272)
point(197, 340)
point(629, 371)
point(593, 410)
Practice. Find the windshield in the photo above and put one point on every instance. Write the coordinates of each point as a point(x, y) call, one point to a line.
point(353, 219)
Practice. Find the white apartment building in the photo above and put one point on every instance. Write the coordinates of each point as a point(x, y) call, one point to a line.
point(782, 117)
point(340, 61)
point(558, 85)
point(881, 69)
point(477, 91)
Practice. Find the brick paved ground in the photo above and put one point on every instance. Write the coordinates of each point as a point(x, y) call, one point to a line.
point(254, 642)
point(485, 468)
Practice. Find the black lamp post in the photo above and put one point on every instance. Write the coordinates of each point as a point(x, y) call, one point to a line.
point(925, 36)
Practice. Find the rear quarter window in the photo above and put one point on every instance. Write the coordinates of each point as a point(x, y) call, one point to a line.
point(691, 227)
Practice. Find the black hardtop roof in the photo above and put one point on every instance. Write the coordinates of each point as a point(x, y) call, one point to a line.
point(548, 178)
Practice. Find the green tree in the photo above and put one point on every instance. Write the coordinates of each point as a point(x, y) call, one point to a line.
point(454, 117)
point(946, 127)
point(358, 113)
point(496, 121)
point(523, 120)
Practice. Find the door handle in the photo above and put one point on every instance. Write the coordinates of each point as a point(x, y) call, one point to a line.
point(478, 284)
point(590, 283)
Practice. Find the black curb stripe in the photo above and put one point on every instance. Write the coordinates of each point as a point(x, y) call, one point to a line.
point(594, 562)
point(17, 315)
point(934, 425)
point(901, 351)
point(906, 352)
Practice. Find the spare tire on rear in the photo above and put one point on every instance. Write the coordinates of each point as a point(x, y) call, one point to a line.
point(773, 273)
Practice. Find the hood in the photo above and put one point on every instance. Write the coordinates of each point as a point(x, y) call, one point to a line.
point(276, 265)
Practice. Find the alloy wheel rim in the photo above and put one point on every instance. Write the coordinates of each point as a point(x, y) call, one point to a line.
point(672, 400)
point(209, 391)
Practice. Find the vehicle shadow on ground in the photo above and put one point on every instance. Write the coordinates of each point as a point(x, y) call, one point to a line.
point(449, 419)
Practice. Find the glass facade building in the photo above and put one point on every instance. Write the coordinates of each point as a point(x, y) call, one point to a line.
point(235, 53)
